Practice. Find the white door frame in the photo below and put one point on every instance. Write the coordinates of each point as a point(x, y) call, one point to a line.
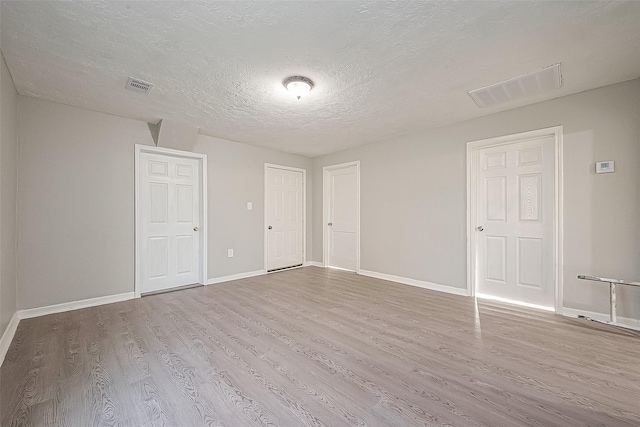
point(139, 149)
point(304, 210)
point(326, 186)
point(556, 133)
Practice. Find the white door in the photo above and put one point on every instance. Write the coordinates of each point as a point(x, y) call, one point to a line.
point(342, 216)
point(169, 218)
point(284, 215)
point(515, 221)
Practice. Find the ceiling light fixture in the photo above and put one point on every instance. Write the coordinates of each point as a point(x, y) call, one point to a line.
point(299, 86)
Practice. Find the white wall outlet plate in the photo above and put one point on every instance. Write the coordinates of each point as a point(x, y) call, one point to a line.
point(249, 206)
point(230, 253)
point(606, 166)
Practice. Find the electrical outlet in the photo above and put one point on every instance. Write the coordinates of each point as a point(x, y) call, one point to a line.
point(229, 253)
point(249, 206)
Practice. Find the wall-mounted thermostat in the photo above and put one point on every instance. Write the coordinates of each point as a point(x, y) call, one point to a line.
point(604, 167)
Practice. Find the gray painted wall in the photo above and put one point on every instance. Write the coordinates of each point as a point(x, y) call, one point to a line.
point(75, 199)
point(413, 195)
point(75, 203)
point(235, 177)
point(8, 176)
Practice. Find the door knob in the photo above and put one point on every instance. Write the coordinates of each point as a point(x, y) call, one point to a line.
point(195, 228)
point(330, 224)
point(270, 227)
point(480, 228)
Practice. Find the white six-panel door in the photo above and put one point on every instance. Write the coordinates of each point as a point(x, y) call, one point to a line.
point(169, 220)
point(515, 221)
point(284, 216)
point(342, 216)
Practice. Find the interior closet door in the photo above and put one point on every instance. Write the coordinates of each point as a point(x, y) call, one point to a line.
point(170, 205)
point(284, 218)
point(515, 221)
point(342, 216)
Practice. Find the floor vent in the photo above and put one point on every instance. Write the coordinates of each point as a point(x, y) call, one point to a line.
point(138, 85)
point(518, 88)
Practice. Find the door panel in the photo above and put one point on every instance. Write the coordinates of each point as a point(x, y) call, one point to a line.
point(284, 216)
point(159, 202)
point(169, 209)
point(185, 203)
point(496, 250)
point(496, 198)
point(515, 211)
point(185, 254)
point(530, 256)
point(342, 246)
point(158, 257)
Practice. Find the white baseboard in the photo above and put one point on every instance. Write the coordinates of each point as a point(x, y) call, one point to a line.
point(623, 322)
point(7, 336)
point(235, 277)
point(313, 264)
point(414, 282)
point(628, 322)
point(74, 305)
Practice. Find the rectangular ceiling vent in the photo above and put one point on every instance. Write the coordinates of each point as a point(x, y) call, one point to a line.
point(518, 88)
point(138, 85)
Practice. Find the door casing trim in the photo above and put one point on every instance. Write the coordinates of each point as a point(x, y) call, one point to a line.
point(325, 210)
point(556, 132)
point(139, 149)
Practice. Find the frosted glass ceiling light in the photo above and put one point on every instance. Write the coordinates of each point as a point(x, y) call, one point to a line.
point(299, 86)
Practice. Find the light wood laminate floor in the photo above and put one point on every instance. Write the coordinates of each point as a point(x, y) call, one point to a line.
point(313, 347)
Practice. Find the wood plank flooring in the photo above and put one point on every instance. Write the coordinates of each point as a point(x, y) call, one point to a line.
point(316, 347)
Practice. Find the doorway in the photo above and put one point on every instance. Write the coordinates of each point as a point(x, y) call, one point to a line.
point(170, 219)
point(514, 218)
point(285, 213)
point(341, 205)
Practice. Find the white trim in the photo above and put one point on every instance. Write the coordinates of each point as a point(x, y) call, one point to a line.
point(238, 276)
point(572, 312)
point(139, 149)
point(414, 282)
point(623, 322)
point(74, 305)
point(559, 217)
point(313, 264)
point(325, 210)
point(8, 335)
point(510, 301)
point(557, 133)
point(628, 322)
point(304, 208)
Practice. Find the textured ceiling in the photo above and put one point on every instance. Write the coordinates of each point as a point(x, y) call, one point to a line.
point(381, 69)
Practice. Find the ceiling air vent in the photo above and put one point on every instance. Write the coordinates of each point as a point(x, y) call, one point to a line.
point(138, 85)
point(518, 88)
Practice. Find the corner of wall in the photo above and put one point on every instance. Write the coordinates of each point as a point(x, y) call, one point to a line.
point(8, 197)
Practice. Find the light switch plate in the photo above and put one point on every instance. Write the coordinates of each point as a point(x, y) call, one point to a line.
point(606, 166)
point(249, 206)
point(230, 253)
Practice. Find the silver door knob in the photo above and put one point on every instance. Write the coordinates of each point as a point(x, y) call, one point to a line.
point(195, 228)
point(269, 227)
point(330, 224)
point(480, 228)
